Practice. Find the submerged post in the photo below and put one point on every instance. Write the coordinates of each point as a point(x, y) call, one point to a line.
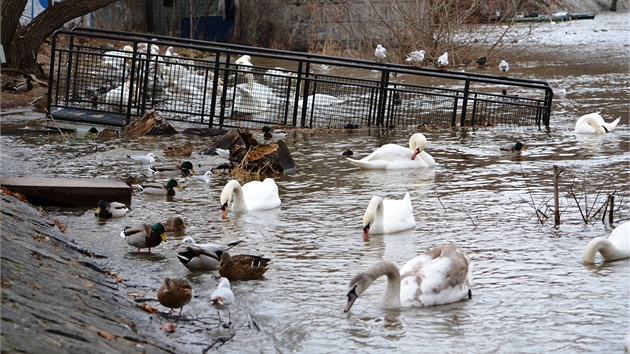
point(611, 204)
point(556, 176)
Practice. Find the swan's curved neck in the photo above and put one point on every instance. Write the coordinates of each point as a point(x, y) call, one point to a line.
point(599, 129)
point(391, 298)
point(605, 247)
point(238, 201)
point(374, 213)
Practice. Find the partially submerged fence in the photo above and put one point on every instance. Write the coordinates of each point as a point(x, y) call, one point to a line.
point(108, 77)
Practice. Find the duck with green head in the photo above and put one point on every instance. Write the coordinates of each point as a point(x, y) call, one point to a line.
point(269, 134)
point(25, 86)
point(185, 169)
point(516, 147)
point(161, 188)
point(144, 235)
point(109, 210)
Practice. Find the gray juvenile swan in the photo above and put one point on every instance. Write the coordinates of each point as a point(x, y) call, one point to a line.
point(441, 275)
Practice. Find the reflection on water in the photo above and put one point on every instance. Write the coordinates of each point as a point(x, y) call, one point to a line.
point(531, 292)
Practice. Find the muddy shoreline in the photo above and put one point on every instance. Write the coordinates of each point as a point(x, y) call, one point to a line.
point(67, 298)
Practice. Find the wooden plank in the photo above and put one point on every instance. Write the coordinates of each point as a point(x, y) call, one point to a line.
point(69, 191)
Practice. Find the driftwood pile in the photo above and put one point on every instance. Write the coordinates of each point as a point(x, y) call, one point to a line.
point(248, 154)
point(150, 124)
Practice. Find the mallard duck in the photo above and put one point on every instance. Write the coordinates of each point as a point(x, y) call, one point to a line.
point(516, 147)
point(110, 210)
point(184, 169)
point(179, 150)
point(242, 266)
point(40, 104)
point(175, 293)
point(175, 224)
point(144, 235)
point(384, 216)
point(276, 134)
point(222, 298)
point(161, 188)
point(593, 123)
point(202, 257)
point(254, 195)
point(615, 247)
point(439, 276)
point(24, 87)
point(148, 159)
point(133, 182)
point(393, 156)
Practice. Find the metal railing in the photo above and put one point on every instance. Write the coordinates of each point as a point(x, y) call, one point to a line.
point(203, 85)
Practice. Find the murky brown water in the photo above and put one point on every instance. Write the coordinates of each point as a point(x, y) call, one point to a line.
point(531, 294)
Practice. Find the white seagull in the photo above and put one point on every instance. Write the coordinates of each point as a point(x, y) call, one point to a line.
point(380, 52)
point(416, 56)
point(222, 298)
point(443, 60)
point(148, 159)
point(503, 66)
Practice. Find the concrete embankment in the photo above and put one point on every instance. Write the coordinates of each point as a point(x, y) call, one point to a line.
point(57, 299)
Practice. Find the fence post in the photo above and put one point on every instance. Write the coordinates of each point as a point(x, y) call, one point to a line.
point(464, 103)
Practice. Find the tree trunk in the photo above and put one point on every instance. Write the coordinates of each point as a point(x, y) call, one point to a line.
point(11, 13)
point(26, 40)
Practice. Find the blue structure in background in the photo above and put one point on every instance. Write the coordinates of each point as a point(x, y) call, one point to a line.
point(209, 28)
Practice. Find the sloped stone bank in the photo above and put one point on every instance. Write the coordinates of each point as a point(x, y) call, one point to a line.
point(57, 299)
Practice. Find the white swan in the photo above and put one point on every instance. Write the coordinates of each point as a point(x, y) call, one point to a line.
point(254, 195)
point(253, 97)
point(320, 100)
point(392, 156)
point(593, 123)
point(441, 275)
point(384, 216)
point(615, 247)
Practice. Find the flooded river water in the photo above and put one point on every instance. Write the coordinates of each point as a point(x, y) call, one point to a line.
point(531, 291)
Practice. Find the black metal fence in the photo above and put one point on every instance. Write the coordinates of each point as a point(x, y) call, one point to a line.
point(108, 77)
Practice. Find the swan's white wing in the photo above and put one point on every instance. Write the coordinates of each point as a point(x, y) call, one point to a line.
point(440, 276)
point(398, 215)
point(261, 195)
point(620, 237)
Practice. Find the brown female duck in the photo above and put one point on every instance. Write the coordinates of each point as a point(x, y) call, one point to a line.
point(175, 293)
point(179, 150)
point(242, 266)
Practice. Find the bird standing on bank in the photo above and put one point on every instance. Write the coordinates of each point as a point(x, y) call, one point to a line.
point(175, 294)
point(222, 298)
